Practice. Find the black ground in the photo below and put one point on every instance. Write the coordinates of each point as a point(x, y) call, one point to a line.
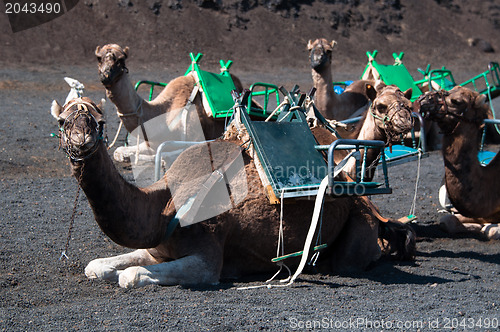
point(454, 281)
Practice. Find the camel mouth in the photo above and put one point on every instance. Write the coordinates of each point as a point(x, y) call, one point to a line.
point(431, 105)
point(81, 131)
point(318, 59)
point(110, 75)
point(107, 78)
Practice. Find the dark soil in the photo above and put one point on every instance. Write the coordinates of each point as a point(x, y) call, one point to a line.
point(454, 280)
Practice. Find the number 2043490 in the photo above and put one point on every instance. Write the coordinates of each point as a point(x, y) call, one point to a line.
point(32, 8)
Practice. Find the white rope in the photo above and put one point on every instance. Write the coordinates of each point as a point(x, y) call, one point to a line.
point(122, 115)
point(285, 101)
point(312, 229)
point(414, 203)
point(116, 136)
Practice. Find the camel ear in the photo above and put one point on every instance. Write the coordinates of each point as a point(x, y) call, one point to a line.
point(101, 105)
point(479, 101)
point(125, 51)
point(379, 85)
point(56, 110)
point(333, 43)
point(97, 50)
point(309, 45)
point(371, 92)
point(408, 93)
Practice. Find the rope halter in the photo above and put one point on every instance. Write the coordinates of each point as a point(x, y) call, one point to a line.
point(387, 118)
point(80, 111)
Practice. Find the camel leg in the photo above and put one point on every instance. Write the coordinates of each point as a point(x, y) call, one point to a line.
point(357, 245)
point(491, 231)
point(188, 270)
point(456, 223)
point(110, 268)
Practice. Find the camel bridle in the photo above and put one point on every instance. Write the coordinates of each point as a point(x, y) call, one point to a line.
point(427, 103)
point(90, 113)
point(395, 108)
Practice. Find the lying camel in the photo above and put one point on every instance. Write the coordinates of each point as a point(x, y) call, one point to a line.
point(134, 111)
point(472, 188)
point(388, 117)
point(222, 246)
point(352, 102)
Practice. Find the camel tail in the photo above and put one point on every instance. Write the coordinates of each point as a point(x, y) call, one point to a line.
point(398, 238)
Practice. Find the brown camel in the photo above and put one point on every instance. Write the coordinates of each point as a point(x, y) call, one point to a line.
point(134, 110)
point(472, 188)
point(388, 117)
point(331, 105)
point(234, 243)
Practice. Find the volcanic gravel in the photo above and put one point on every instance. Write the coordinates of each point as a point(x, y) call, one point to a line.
point(453, 282)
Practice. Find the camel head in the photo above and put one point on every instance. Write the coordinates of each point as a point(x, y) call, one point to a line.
point(320, 53)
point(81, 124)
point(111, 58)
point(449, 108)
point(391, 108)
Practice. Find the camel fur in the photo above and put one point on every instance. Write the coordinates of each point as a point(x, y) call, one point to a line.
point(388, 117)
point(169, 104)
point(472, 188)
point(352, 102)
point(237, 242)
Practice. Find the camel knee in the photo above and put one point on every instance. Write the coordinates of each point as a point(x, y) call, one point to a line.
point(98, 269)
point(491, 231)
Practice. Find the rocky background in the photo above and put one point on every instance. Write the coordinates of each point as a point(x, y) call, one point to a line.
point(264, 34)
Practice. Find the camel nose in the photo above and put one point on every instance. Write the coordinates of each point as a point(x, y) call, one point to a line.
point(318, 58)
point(403, 120)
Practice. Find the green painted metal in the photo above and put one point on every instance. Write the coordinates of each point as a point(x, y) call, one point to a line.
point(292, 161)
point(152, 85)
point(298, 253)
point(396, 74)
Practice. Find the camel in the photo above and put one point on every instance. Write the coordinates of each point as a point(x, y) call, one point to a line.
point(332, 106)
point(388, 117)
point(134, 111)
point(472, 188)
point(223, 246)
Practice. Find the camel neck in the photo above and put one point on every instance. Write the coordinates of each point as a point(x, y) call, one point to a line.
point(370, 131)
point(325, 96)
point(119, 207)
point(127, 101)
point(465, 178)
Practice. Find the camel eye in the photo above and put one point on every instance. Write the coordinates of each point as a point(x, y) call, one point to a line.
point(455, 101)
point(381, 107)
point(99, 58)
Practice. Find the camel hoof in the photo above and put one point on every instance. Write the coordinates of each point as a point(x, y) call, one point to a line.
point(491, 231)
point(135, 276)
point(97, 270)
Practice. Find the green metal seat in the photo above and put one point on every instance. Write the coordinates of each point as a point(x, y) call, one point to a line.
point(396, 74)
point(293, 164)
point(216, 90)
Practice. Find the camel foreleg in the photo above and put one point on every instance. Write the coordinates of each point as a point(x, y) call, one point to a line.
point(188, 270)
point(110, 268)
point(456, 223)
